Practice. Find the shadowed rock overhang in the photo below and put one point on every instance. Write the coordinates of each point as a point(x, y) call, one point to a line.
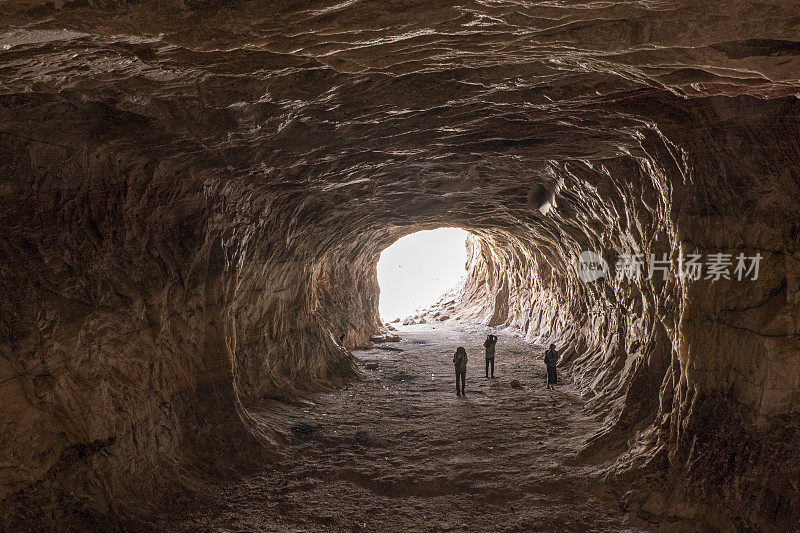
point(194, 196)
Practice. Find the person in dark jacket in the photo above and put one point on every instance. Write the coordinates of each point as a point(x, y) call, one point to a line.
point(551, 358)
point(489, 344)
point(460, 362)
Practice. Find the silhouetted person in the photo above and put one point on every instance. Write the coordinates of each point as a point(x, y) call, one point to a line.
point(551, 360)
point(489, 343)
point(460, 362)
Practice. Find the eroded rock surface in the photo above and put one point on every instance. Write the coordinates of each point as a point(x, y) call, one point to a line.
point(193, 197)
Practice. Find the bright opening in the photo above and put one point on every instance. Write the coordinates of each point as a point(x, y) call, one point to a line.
point(417, 269)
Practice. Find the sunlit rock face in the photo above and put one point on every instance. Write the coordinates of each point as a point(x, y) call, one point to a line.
point(194, 197)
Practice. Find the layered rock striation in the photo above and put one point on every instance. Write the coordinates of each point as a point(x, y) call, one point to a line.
point(194, 197)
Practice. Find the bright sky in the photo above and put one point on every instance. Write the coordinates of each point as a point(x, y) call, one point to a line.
point(417, 269)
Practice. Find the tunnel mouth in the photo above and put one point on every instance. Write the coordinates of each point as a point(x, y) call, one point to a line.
point(418, 268)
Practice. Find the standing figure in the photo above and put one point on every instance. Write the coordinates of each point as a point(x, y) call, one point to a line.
point(460, 361)
point(489, 343)
point(551, 360)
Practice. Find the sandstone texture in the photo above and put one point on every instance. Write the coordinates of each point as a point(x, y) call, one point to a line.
point(194, 196)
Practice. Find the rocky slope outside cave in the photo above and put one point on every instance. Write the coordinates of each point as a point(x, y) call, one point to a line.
point(439, 311)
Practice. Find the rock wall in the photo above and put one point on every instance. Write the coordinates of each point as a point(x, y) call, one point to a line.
point(194, 197)
point(697, 378)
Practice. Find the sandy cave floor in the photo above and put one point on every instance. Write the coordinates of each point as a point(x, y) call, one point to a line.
point(399, 451)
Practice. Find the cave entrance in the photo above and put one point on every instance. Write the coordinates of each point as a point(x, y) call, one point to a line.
point(418, 268)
